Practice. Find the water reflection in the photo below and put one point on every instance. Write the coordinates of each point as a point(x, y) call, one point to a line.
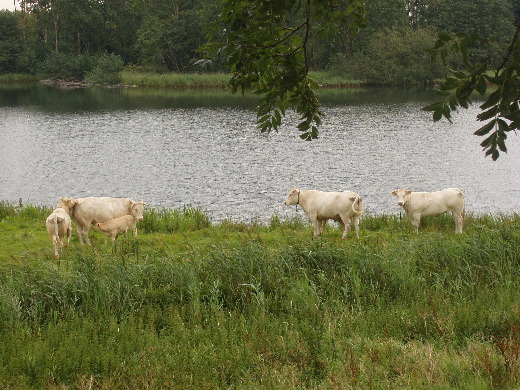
point(201, 148)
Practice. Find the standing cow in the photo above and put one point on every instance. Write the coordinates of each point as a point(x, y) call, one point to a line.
point(58, 226)
point(419, 204)
point(92, 210)
point(321, 206)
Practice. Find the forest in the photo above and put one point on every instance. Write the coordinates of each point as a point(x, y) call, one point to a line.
point(69, 39)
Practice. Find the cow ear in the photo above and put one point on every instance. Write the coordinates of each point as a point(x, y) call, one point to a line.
point(394, 193)
point(408, 192)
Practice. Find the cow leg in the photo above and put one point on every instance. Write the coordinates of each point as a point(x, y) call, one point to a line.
point(85, 232)
point(56, 246)
point(416, 221)
point(322, 223)
point(316, 225)
point(342, 224)
point(80, 233)
point(457, 217)
point(345, 222)
point(69, 234)
point(135, 233)
point(356, 225)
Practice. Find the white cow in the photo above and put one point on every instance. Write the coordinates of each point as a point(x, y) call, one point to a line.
point(418, 204)
point(59, 225)
point(113, 227)
point(92, 210)
point(321, 206)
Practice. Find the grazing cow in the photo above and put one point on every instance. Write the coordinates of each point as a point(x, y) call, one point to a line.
point(92, 210)
point(59, 225)
point(114, 227)
point(321, 206)
point(418, 204)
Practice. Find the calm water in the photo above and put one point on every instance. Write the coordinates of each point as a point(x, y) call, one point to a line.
point(201, 148)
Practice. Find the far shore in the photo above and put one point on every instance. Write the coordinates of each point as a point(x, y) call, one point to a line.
point(130, 78)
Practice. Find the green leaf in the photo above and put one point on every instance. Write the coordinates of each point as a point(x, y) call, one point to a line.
point(493, 99)
point(491, 113)
point(488, 141)
point(502, 145)
point(486, 128)
point(437, 115)
point(481, 85)
point(432, 107)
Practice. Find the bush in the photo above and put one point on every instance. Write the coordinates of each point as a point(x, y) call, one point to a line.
point(107, 70)
point(66, 66)
point(395, 58)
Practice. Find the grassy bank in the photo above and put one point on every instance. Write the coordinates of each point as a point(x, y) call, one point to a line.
point(193, 304)
point(17, 78)
point(213, 80)
point(184, 80)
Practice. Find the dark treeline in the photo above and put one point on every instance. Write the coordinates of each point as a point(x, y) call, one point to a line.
point(72, 39)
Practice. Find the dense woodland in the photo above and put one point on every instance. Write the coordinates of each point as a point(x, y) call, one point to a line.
point(72, 39)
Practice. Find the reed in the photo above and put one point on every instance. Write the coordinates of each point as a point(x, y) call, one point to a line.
point(213, 80)
point(196, 304)
point(175, 80)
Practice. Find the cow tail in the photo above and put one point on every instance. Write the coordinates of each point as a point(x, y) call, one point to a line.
point(358, 201)
point(463, 213)
point(56, 230)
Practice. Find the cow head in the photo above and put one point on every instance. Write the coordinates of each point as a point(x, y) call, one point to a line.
point(67, 204)
point(136, 209)
point(402, 196)
point(293, 197)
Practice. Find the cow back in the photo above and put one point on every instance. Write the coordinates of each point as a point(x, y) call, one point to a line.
point(100, 209)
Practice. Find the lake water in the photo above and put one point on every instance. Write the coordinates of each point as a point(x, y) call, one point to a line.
point(175, 148)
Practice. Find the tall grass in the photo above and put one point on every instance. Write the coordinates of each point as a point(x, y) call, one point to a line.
point(177, 80)
point(265, 306)
point(218, 80)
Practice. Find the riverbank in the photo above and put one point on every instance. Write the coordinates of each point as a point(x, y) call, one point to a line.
point(196, 305)
point(173, 80)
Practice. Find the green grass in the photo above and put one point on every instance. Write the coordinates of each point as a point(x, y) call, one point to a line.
point(176, 80)
point(193, 304)
point(17, 78)
point(142, 78)
point(216, 80)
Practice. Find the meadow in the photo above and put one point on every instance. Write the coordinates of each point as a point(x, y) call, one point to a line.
point(194, 304)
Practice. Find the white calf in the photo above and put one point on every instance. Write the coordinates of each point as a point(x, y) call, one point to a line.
point(321, 206)
point(114, 227)
point(59, 225)
point(419, 204)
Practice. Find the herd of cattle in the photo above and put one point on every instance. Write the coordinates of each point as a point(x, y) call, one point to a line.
point(114, 216)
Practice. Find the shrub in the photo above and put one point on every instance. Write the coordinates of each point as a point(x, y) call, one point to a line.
point(107, 70)
point(66, 66)
point(395, 58)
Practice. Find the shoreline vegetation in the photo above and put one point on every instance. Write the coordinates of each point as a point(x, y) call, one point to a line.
point(132, 78)
point(194, 304)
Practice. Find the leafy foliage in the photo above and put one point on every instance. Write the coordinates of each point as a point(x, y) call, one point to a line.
point(107, 70)
point(501, 109)
point(265, 44)
point(394, 57)
point(9, 42)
